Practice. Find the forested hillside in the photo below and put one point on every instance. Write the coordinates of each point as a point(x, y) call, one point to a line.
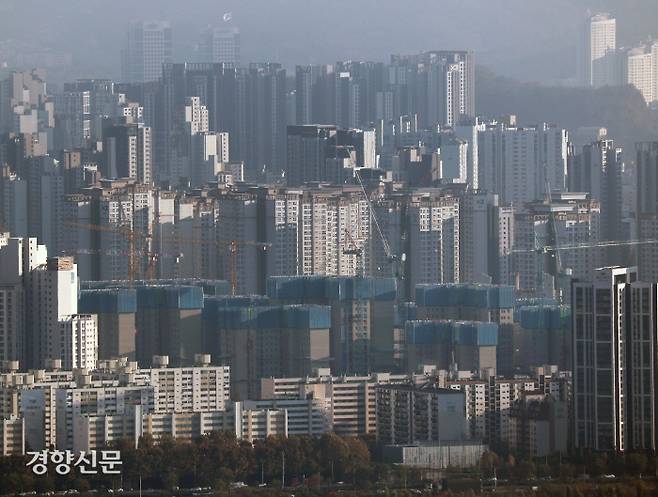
point(620, 109)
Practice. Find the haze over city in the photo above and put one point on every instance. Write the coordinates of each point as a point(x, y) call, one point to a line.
point(529, 40)
point(342, 248)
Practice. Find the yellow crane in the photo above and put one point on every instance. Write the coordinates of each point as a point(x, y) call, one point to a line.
point(153, 256)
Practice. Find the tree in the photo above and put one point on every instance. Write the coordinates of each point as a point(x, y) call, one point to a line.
point(543, 470)
point(489, 463)
point(526, 470)
point(636, 464)
point(567, 470)
point(358, 458)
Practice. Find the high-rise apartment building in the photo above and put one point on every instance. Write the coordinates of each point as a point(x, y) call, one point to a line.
point(422, 230)
point(327, 153)
point(13, 203)
point(567, 220)
point(473, 303)
point(39, 302)
point(54, 295)
point(468, 345)
point(433, 237)
point(257, 340)
point(221, 44)
point(115, 310)
point(654, 59)
point(639, 71)
point(19, 258)
point(168, 322)
point(446, 81)
point(598, 168)
point(596, 50)
point(542, 335)
point(646, 164)
point(103, 101)
point(486, 237)
point(46, 189)
point(148, 45)
point(72, 119)
point(467, 129)
point(78, 341)
point(614, 335)
point(521, 164)
point(265, 119)
point(127, 150)
point(362, 315)
point(308, 90)
point(107, 228)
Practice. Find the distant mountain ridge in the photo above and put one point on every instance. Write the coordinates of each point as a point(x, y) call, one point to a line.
point(621, 110)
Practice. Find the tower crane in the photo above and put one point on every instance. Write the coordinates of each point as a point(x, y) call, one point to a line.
point(390, 257)
point(153, 256)
point(130, 234)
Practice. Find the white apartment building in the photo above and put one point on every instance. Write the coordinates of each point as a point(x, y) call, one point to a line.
point(352, 397)
point(304, 417)
point(640, 71)
point(79, 341)
point(12, 437)
point(283, 216)
point(488, 401)
point(334, 228)
point(196, 389)
point(60, 407)
point(196, 115)
point(596, 50)
point(53, 301)
point(519, 164)
point(468, 132)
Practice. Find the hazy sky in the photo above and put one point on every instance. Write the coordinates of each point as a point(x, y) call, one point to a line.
point(526, 39)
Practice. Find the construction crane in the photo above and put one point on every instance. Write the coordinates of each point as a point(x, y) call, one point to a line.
point(354, 249)
point(130, 234)
point(233, 247)
point(153, 257)
point(390, 257)
point(577, 246)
